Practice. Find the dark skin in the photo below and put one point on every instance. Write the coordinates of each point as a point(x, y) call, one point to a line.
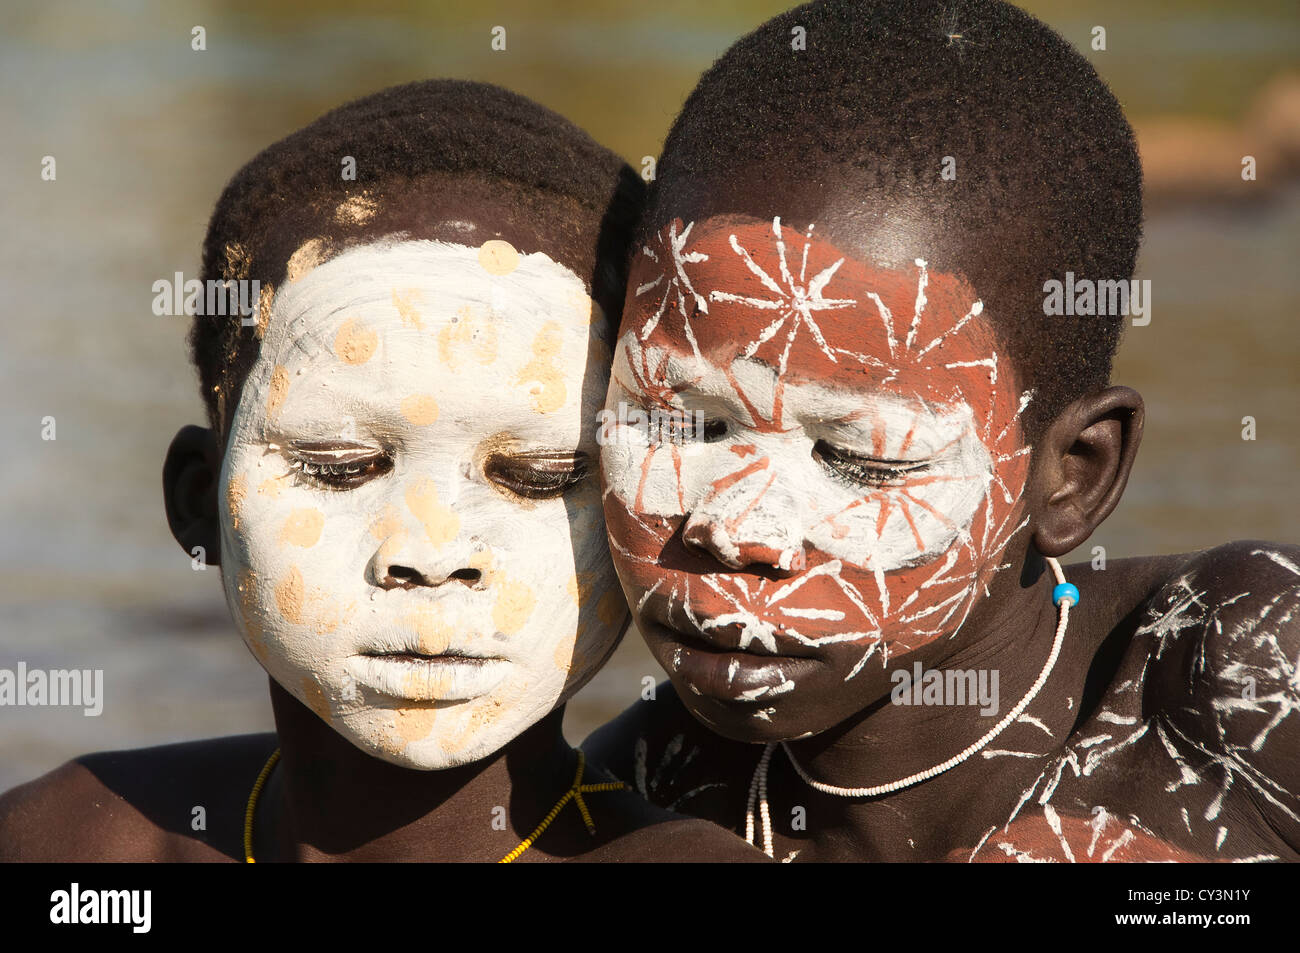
point(1162, 732)
point(947, 817)
point(328, 800)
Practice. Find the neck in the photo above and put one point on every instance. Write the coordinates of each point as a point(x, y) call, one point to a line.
point(329, 800)
point(889, 742)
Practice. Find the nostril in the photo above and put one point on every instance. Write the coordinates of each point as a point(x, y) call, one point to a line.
point(402, 577)
point(696, 539)
point(471, 577)
point(706, 539)
point(712, 540)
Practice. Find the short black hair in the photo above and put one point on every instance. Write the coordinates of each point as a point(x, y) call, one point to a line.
point(433, 134)
point(1048, 176)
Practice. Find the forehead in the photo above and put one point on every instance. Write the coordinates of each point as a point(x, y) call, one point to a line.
point(735, 291)
point(391, 322)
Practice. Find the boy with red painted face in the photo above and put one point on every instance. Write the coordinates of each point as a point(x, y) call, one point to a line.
point(844, 554)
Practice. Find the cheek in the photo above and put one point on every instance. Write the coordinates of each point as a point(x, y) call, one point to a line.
point(552, 596)
point(516, 601)
point(648, 479)
point(890, 528)
point(592, 605)
point(636, 538)
point(282, 553)
point(301, 528)
point(914, 604)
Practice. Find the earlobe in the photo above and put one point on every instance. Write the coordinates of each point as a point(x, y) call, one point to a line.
point(190, 476)
point(1084, 462)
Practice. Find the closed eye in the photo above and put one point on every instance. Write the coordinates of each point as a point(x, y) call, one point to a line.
point(335, 466)
point(866, 471)
point(537, 476)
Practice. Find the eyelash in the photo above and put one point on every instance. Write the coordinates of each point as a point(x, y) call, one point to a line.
point(714, 430)
point(339, 476)
point(549, 476)
point(860, 471)
point(676, 424)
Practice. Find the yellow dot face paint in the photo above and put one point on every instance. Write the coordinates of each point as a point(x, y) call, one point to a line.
point(407, 301)
point(302, 528)
point(409, 565)
point(541, 375)
point(420, 409)
point(357, 210)
point(236, 492)
point(498, 257)
point(355, 343)
point(277, 391)
point(471, 337)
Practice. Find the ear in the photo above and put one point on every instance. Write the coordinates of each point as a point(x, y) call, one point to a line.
point(190, 475)
point(1082, 466)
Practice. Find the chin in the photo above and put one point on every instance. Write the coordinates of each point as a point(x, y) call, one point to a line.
point(432, 757)
point(429, 754)
point(744, 722)
point(819, 704)
point(378, 731)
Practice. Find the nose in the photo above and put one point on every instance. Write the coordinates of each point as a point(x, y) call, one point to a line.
point(408, 558)
point(753, 521)
point(398, 576)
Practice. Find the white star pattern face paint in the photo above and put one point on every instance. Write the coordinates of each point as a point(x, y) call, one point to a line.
point(412, 540)
point(942, 443)
point(860, 472)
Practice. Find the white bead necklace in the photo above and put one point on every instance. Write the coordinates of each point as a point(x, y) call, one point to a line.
point(1064, 595)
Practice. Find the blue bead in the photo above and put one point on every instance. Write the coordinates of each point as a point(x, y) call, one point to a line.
point(1065, 591)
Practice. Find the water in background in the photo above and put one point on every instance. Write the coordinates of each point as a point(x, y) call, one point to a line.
point(146, 131)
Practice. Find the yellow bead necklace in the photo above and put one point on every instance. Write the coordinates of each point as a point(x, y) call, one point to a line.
point(574, 794)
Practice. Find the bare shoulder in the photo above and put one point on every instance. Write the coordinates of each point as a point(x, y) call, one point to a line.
point(59, 817)
point(612, 746)
point(662, 836)
point(666, 756)
point(1225, 640)
point(173, 802)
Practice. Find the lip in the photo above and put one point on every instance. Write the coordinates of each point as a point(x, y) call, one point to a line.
point(729, 675)
point(716, 638)
point(416, 676)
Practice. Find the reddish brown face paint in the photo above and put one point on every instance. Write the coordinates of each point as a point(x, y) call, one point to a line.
point(867, 476)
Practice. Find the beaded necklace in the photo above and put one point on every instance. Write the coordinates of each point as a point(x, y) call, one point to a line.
point(1064, 595)
point(575, 793)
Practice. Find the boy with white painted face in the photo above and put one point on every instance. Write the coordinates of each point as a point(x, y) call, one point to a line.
point(844, 569)
point(399, 487)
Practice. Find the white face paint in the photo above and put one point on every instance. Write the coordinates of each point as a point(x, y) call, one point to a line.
point(408, 544)
point(747, 506)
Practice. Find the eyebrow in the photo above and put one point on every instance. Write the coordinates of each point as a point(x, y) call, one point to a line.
point(304, 331)
point(361, 406)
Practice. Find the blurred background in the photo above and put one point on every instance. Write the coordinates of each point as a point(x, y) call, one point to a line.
point(146, 131)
